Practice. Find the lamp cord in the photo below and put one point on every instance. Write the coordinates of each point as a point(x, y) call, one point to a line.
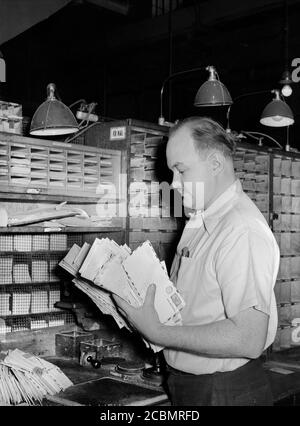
point(83, 130)
point(77, 102)
point(287, 147)
point(245, 95)
point(221, 86)
point(250, 133)
point(169, 78)
point(286, 34)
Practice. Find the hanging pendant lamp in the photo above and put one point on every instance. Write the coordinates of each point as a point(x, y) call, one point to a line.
point(277, 113)
point(212, 92)
point(53, 117)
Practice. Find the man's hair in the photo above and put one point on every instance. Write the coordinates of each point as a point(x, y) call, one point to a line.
point(207, 135)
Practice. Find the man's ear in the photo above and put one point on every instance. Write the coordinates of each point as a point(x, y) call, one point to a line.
point(216, 162)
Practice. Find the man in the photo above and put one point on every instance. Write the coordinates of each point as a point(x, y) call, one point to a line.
point(225, 268)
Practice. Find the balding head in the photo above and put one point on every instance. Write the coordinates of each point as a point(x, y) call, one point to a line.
point(207, 135)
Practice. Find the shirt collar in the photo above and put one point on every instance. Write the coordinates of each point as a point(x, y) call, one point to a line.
point(219, 207)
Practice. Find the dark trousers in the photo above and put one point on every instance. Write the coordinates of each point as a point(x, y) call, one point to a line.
point(247, 385)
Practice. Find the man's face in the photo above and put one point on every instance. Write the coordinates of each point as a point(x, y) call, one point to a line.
point(192, 175)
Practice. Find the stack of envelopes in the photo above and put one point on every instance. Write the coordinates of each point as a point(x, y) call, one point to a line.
point(25, 378)
point(105, 268)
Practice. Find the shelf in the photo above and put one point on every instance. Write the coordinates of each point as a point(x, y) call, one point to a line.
point(279, 231)
point(62, 311)
point(41, 229)
point(16, 194)
point(43, 283)
point(18, 335)
point(33, 253)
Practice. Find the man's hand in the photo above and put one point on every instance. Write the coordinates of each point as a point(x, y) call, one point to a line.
point(145, 318)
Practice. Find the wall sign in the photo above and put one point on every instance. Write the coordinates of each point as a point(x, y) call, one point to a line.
point(117, 133)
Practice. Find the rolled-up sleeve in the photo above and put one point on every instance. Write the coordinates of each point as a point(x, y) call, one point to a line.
point(245, 266)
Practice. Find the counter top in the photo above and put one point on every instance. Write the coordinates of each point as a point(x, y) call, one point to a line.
point(96, 387)
point(282, 368)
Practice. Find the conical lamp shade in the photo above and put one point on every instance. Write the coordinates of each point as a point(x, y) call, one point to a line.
point(286, 78)
point(277, 114)
point(212, 93)
point(53, 118)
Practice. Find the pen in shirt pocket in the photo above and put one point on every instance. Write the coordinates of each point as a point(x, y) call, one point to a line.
point(185, 252)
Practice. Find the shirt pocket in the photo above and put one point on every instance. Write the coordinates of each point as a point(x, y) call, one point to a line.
point(186, 274)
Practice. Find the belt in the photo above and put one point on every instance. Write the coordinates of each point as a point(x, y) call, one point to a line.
point(253, 363)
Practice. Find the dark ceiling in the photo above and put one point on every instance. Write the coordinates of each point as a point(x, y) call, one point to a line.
point(120, 61)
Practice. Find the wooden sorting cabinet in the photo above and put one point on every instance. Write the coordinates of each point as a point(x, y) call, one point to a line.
point(270, 177)
point(151, 214)
point(286, 227)
point(36, 166)
point(31, 281)
point(35, 173)
point(252, 167)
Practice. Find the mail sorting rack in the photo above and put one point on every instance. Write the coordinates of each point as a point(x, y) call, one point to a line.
point(49, 167)
point(253, 170)
point(30, 281)
point(286, 225)
point(272, 180)
point(152, 214)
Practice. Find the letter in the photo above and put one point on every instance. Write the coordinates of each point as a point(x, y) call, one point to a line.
point(152, 416)
point(172, 416)
point(295, 76)
point(130, 417)
point(187, 414)
point(122, 205)
point(181, 415)
point(106, 206)
point(197, 415)
point(2, 70)
point(147, 414)
point(165, 191)
point(138, 199)
point(114, 416)
point(122, 416)
point(162, 415)
point(296, 331)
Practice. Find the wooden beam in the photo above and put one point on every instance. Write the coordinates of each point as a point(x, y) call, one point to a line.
point(120, 6)
point(185, 20)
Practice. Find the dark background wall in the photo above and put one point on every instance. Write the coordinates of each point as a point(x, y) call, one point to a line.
point(120, 60)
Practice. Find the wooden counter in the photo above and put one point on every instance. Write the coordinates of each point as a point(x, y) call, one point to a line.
point(285, 382)
point(96, 387)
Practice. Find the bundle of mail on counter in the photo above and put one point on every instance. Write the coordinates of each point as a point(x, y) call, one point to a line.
point(27, 379)
point(106, 267)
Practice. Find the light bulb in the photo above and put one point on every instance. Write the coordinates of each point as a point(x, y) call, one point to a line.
point(286, 90)
point(277, 118)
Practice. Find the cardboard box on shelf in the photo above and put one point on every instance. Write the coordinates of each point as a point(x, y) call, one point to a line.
point(11, 119)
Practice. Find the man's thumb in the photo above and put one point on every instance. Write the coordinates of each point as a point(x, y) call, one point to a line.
point(151, 290)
